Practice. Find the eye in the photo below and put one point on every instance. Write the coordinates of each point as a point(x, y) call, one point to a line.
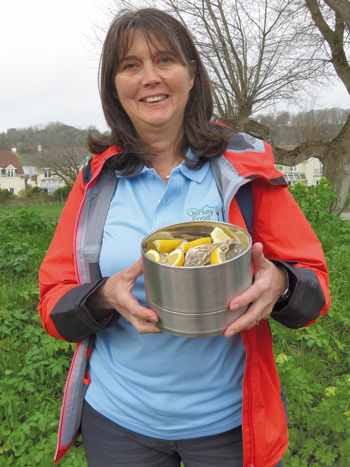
point(129, 66)
point(166, 60)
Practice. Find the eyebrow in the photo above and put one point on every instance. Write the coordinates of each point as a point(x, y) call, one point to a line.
point(128, 57)
point(158, 52)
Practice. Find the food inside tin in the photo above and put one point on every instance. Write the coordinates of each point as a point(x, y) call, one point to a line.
point(191, 250)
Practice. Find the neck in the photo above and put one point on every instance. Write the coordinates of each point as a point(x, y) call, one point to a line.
point(165, 153)
point(163, 163)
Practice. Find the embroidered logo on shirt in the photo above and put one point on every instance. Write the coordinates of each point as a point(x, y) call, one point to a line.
point(205, 213)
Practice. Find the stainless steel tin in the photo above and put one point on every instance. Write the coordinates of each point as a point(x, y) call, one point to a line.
point(193, 301)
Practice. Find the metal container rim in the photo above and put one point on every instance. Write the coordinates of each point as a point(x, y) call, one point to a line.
point(216, 223)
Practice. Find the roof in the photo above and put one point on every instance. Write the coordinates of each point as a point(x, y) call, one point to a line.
point(8, 158)
point(30, 170)
point(294, 176)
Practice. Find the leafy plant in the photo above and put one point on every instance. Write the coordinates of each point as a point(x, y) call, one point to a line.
point(313, 362)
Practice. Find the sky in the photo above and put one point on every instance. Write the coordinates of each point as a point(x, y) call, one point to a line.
point(49, 66)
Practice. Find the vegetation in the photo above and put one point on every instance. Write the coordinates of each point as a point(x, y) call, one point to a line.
point(5, 195)
point(313, 362)
point(49, 136)
point(292, 129)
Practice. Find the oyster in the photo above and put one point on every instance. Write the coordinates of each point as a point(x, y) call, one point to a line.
point(200, 255)
point(164, 258)
point(232, 248)
point(190, 237)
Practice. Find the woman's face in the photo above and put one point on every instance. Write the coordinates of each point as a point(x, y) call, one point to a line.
point(153, 88)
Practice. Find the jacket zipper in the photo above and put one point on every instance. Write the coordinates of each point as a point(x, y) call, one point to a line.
point(250, 412)
point(78, 217)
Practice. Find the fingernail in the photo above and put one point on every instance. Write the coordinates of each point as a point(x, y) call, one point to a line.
point(230, 333)
point(234, 307)
point(152, 318)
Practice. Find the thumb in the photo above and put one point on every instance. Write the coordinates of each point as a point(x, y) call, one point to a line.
point(134, 271)
point(258, 256)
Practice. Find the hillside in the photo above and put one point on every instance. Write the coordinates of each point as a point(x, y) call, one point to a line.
point(53, 135)
point(28, 159)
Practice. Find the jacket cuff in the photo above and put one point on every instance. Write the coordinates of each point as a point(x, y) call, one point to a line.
point(305, 301)
point(72, 318)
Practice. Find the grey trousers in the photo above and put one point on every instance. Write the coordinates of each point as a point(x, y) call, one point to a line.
point(107, 444)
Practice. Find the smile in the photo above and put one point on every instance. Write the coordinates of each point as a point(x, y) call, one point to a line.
point(155, 98)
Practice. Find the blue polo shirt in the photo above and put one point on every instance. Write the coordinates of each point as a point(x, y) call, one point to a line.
point(161, 385)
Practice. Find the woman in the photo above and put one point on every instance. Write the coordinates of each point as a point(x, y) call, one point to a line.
point(153, 398)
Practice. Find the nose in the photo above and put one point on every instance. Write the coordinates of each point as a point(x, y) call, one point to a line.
point(150, 75)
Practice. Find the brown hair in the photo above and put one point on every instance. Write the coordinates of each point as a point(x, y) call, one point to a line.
point(204, 138)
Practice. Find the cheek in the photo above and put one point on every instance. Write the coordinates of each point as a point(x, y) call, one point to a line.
point(122, 88)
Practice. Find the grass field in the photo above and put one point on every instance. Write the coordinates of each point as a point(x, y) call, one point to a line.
point(313, 362)
point(47, 211)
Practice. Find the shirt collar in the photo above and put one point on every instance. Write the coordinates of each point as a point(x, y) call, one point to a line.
point(192, 174)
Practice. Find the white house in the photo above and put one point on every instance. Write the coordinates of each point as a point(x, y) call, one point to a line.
point(308, 172)
point(11, 172)
point(48, 182)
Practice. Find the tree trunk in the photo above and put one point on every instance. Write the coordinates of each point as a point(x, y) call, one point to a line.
point(337, 169)
point(337, 162)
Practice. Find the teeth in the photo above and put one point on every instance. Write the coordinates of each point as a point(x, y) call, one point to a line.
point(154, 99)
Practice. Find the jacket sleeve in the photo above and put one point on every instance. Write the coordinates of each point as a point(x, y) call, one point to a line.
point(62, 298)
point(289, 241)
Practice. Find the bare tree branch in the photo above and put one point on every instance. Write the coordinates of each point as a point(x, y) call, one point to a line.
point(64, 162)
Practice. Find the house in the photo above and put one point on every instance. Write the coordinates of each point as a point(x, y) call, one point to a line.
point(30, 173)
point(308, 172)
point(11, 172)
point(46, 179)
point(48, 182)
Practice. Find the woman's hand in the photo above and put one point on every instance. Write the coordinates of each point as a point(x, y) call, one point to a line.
point(270, 282)
point(116, 294)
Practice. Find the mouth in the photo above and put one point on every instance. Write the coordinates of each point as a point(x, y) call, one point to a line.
point(154, 98)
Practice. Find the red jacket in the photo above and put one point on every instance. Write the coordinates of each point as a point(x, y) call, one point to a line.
point(70, 273)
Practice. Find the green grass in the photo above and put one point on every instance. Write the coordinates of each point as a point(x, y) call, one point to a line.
point(313, 362)
point(28, 159)
point(51, 211)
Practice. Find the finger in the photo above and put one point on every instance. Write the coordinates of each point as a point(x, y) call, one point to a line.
point(144, 327)
point(130, 307)
point(257, 252)
point(131, 273)
point(252, 294)
point(250, 319)
point(260, 263)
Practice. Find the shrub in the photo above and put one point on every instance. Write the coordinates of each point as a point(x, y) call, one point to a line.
point(35, 189)
point(5, 194)
point(313, 362)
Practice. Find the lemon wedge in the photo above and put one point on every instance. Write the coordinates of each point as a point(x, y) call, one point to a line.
point(199, 241)
point(153, 254)
point(166, 245)
point(163, 235)
point(218, 235)
point(218, 256)
point(176, 258)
